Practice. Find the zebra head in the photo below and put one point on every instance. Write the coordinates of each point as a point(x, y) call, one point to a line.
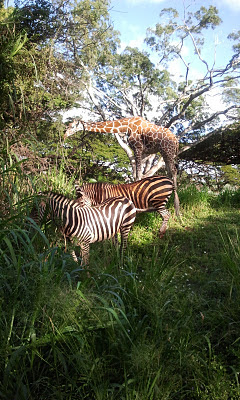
point(82, 198)
point(40, 212)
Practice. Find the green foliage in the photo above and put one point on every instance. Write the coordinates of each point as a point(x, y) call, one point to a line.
point(228, 197)
point(37, 19)
point(98, 41)
point(221, 148)
point(164, 326)
point(98, 157)
point(193, 196)
point(235, 36)
point(40, 79)
point(43, 48)
point(231, 91)
point(196, 22)
point(133, 76)
point(15, 186)
point(208, 17)
point(231, 174)
point(168, 39)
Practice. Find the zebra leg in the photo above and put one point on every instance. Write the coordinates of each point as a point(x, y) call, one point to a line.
point(165, 214)
point(85, 246)
point(115, 240)
point(66, 241)
point(74, 256)
point(124, 238)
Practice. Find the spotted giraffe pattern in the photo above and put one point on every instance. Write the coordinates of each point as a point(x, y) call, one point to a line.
point(144, 138)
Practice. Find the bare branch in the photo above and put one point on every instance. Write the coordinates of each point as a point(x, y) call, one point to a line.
point(129, 153)
point(198, 125)
point(155, 168)
point(197, 50)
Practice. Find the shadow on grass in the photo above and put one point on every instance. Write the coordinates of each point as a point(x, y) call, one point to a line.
point(168, 320)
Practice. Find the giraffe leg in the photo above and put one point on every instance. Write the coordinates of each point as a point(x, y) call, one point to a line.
point(138, 158)
point(176, 198)
point(172, 173)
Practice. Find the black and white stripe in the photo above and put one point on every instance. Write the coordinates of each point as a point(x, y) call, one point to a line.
point(148, 194)
point(88, 224)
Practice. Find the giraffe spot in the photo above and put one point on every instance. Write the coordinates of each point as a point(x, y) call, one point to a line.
point(116, 124)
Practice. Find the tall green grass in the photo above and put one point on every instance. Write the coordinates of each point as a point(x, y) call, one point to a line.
point(140, 333)
point(164, 326)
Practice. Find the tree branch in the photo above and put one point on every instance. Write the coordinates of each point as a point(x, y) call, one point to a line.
point(155, 168)
point(198, 125)
point(129, 153)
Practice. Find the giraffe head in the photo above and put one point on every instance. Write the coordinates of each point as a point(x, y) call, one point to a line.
point(74, 127)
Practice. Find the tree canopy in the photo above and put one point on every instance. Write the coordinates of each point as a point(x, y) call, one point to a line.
point(56, 55)
point(222, 146)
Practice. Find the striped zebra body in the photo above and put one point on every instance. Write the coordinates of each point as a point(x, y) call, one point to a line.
point(148, 194)
point(90, 224)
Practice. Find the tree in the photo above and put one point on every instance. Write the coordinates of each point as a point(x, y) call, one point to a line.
point(44, 47)
point(219, 147)
point(168, 40)
point(44, 42)
point(58, 54)
point(130, 85)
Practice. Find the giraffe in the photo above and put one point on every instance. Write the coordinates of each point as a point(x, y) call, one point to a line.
point(144, 138)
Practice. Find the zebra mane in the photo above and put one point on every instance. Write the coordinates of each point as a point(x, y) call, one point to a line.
point(100, 185)
point(49, 194)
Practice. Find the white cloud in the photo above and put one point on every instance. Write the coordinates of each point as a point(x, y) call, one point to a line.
point(233, 4)
point(178, 70)
point(214, 100)
point(146, 1)
point(139, 42)
point(175, 68)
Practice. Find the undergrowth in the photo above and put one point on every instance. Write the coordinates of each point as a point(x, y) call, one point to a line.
point(163, 326)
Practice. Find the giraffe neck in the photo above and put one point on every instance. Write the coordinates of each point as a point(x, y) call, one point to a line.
point(118, 126)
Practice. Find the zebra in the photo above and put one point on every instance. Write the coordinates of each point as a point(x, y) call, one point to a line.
point(88, 224)
point(148, 194)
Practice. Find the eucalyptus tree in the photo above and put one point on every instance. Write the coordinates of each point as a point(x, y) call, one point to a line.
point(128, 87)
point(231, 92)
point(133, 85)
point(170, 40)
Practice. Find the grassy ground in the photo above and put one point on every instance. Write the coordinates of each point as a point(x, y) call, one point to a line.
point(164, 326)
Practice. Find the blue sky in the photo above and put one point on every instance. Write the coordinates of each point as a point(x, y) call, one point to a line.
point(133, 17)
